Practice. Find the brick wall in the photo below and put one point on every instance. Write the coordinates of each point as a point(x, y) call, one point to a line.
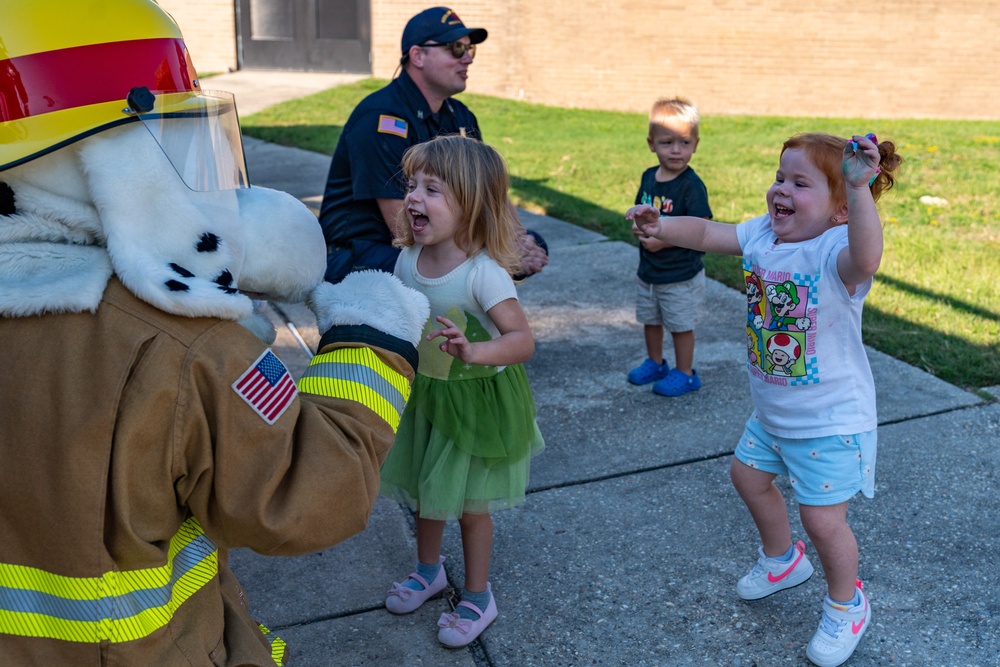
point(209, 28)
point(893, 59)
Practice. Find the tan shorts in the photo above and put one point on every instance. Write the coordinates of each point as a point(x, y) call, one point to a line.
point(674, 306)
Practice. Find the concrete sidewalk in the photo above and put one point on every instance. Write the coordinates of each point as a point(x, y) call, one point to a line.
point(631, 541)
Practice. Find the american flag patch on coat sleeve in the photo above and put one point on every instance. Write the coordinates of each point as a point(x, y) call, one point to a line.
point(267, 387)
point(392, 125)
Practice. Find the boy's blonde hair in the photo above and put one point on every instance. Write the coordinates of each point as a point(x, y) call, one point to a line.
point(677, 108)
point(477, 176)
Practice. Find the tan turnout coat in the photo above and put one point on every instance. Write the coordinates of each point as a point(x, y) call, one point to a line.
point(120, 436)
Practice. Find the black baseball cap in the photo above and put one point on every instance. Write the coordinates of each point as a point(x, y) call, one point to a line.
point(438, 24)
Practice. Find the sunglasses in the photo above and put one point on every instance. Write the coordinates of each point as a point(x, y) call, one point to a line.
point(458, 49)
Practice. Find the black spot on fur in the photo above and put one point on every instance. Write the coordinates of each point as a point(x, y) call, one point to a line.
point(225, 282)
point(209, 242)
point(6, 200)
point(180, 270)
point(225, 278)
point(176, 286)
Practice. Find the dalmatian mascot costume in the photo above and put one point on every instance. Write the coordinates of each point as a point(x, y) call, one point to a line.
point(145, 429)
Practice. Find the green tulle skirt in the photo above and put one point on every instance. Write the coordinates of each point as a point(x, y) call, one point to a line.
point(464, 445)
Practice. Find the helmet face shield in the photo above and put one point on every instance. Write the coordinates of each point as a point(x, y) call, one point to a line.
point(199, 133)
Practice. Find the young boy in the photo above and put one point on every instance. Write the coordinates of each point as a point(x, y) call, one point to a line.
point(671, 280)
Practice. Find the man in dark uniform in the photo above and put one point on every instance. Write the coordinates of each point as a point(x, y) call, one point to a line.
point(363, 201)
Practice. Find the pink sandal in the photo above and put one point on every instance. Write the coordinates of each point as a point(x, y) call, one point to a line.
point(457, 632)
point(403, 600)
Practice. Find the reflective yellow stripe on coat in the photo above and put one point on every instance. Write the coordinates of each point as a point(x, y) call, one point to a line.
point(115, 607)
point(357, 374)
point(277, 644)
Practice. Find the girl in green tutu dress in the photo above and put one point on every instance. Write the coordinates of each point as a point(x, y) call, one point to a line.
point(468, 433)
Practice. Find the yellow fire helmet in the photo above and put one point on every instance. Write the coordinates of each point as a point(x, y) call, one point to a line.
point(69, 70)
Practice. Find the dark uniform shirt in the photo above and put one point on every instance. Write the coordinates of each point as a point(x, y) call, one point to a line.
point(366, 162)
point(684, 195)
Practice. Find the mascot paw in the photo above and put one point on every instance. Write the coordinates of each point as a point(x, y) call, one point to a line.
point(372, 298)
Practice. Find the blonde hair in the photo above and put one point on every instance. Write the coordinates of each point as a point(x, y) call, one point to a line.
point(826, 151)
point(677, 108)
point(477, 176)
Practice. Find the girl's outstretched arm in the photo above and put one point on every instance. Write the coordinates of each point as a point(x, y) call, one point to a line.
point(514, 345)
point(861, 258)
point(686, 231)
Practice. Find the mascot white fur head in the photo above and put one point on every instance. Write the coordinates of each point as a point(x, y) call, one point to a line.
point(113, 160)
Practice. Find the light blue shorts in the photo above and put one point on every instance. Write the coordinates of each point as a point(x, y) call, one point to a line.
point(823, 471)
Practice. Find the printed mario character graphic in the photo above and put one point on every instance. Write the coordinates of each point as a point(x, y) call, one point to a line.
point(783, 300)
point(783, 352)
point(780, 324)
point(755, 295)
point(753, 347)
point(147, 426)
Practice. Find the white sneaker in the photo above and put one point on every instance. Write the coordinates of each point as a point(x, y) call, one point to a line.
point(839, 632)
point(771, 575)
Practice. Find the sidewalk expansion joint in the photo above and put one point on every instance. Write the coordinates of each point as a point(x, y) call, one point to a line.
point(629, 473)
point(480, 656)
point(327, 617)
point(719, 455)
point(937, 413)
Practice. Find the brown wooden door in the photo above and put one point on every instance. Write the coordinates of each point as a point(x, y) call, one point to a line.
point(311, 35)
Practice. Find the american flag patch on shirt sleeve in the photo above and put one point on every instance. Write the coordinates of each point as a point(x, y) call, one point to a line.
point(392, 125)
point(267, 387)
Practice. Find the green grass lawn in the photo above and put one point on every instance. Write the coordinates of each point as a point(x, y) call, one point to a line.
point(936, 299)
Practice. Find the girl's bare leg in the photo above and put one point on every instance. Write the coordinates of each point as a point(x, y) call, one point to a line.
point(766, 505)
point(477, 545)
point(837, 548)
point(430, 533)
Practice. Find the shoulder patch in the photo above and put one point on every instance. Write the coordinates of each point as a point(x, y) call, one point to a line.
point(392, 125)
point(267, 387)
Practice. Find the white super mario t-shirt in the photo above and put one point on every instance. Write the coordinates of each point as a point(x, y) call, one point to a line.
point(809, 373)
